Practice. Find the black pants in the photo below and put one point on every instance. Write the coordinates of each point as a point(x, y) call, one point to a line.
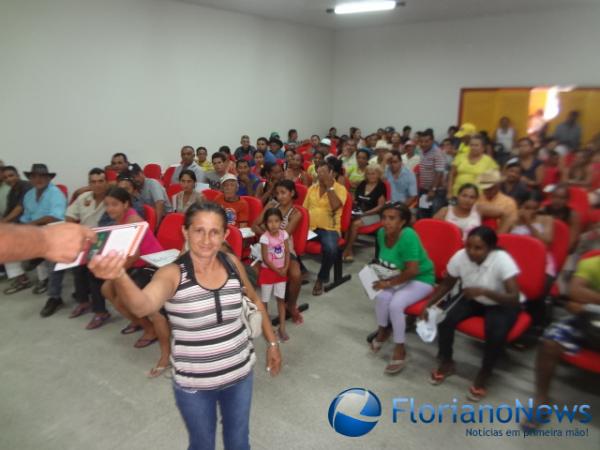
point(499, 319)
point(87, 287)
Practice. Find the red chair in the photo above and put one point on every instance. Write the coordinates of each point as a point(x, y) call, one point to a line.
point(111, 175)
point(211, 194)
point(173, 189)
point(235, 240)
point(579, 201)
point(64, 190)
point(300, 234)
point(153, 170)
point(585, 359)
point(166, 178)
point(388, 190)
point(441, 240)
point(530, 255)
point(255, 208)
point(301, 190)
point(150, 217)
point(306, 164)
point(490, 222)
point(170, 234)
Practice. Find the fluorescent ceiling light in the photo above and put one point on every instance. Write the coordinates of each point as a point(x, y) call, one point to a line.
point(362, 7)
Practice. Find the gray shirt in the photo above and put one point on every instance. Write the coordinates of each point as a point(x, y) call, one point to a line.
point(152, 192)
point(200, 174)
point(568, 135)
point(214, 180)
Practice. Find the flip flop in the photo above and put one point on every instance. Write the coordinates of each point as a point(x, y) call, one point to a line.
point(395, 366)
point(141, 343)
point(438, 377)
point(476, 394)
point(129, 329)
point(317, 290)
point(157, 371)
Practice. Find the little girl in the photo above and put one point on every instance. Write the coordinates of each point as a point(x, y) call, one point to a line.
point(275, 249)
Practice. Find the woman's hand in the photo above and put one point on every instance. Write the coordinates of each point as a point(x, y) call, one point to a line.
point(108, 267)
point(381, 284)
point(472, 292)
point(273, 360)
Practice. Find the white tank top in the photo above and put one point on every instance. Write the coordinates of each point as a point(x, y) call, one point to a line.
point(506, 138)
point(466, 224)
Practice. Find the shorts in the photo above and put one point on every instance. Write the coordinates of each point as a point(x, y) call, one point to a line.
point(266, 290)
point(566, 333)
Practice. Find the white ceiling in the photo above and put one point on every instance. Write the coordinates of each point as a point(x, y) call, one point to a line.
point(312, 12)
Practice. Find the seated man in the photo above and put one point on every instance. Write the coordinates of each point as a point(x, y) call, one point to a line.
point(401, 179)
point(512, 184)
point(494, 203)
point(565, 335)
point(14, 201)
point(248, 182)
point(152, 192)
point(245, 151)
point(188, 163)
point(236, 208)
point(42, 205)
point(119, 162)
point(324, 202)
point(219, 162)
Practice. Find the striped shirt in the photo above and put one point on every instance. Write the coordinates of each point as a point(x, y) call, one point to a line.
point(432, 161)
point(210, 347)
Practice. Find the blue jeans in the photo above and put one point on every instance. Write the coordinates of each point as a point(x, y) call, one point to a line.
point(199, 412)
point(330, 252)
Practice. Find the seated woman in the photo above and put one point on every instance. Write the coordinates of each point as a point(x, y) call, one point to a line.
point(324, 202)
point(369, 199)
point(294, 171)
point(580, 172)
point(285, 193)
point(312, 169)
point(338, 170)
point(559, 209)
point(356, 174)
point(272, 173)
point(188, 196)
point(465, 214)
point(259, 163)
point(399, 248)
point(488, 278)
point(155, 326)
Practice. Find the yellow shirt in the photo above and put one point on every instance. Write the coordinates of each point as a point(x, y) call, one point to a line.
point(466, 172)
point(206, 166)
point(319, 209)
point(463, 149)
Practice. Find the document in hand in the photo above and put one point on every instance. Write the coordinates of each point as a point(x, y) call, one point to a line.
point(163, 258)
point(367, 277)
point(121, 238)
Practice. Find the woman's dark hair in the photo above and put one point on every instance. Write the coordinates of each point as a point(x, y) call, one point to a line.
point(291, 131)
point(469, 186)
point(487, 235)
point(201, 148)
point(526, 196)
point(120, 194)
point(402, 209)
point(189, 173)
point(204, 207)
point(289, 185)
point(365, 151)
point(271, 212)
point(225, 149)
point(335, 165)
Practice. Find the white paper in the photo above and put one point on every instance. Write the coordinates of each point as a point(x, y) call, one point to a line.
point(163, 258)
point(202, 186)
point(424, 202)
point(311, 235)
point(367, 277)
point(247, 232)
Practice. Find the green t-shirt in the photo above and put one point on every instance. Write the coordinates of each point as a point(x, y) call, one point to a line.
point(589, 270)
point(407, 248)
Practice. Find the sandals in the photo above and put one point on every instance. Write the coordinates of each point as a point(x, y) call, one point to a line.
point(79, 310)
point(141, 342)
point(157, 371)
point(317, 288)
point(16, 286)
point(130, 329)
point(395, 366)
point(97, 321)
point(376, 345)
point(438, 377)
point(475, 394)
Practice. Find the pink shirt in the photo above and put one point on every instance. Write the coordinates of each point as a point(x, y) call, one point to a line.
point(149, 243)
point(275, 247)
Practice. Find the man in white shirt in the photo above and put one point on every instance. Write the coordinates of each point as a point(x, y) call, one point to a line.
point(188, 163)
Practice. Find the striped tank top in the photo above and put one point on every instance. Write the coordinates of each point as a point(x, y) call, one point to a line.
point(210, 346)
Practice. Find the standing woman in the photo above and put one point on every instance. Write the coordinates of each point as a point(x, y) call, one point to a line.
point(212, 354)
point(188, 196)
point(489, 288)
point(466, 168)
point(399, 248)
point(155, 326)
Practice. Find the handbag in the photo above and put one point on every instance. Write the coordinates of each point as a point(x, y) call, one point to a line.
point(589, 326)
point(251, 315)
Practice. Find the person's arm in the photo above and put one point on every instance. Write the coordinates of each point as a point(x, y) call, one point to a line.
point(284, 270)
point(411, 270)
point(508, 298)
point(580, 292)
point(264, 251)
point(293, 222)
point(412, 190)
point(266, 193)
point(440, 291)
point(441, 214)
point(11, 216)
point(334, 201)
point(159, 207)
point(140, 302)
point(273, 353)
point(60, 243)
point(451, 177)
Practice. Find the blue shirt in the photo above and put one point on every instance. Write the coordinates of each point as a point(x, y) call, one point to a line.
point(52, 203)
point(404, 187)
point(243, 190)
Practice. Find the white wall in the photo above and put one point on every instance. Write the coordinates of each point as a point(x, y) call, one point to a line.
point(412, 74)
point(83, 79)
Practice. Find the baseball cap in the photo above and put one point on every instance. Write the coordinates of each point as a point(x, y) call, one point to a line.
point(228, 177)
point(326, 142)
